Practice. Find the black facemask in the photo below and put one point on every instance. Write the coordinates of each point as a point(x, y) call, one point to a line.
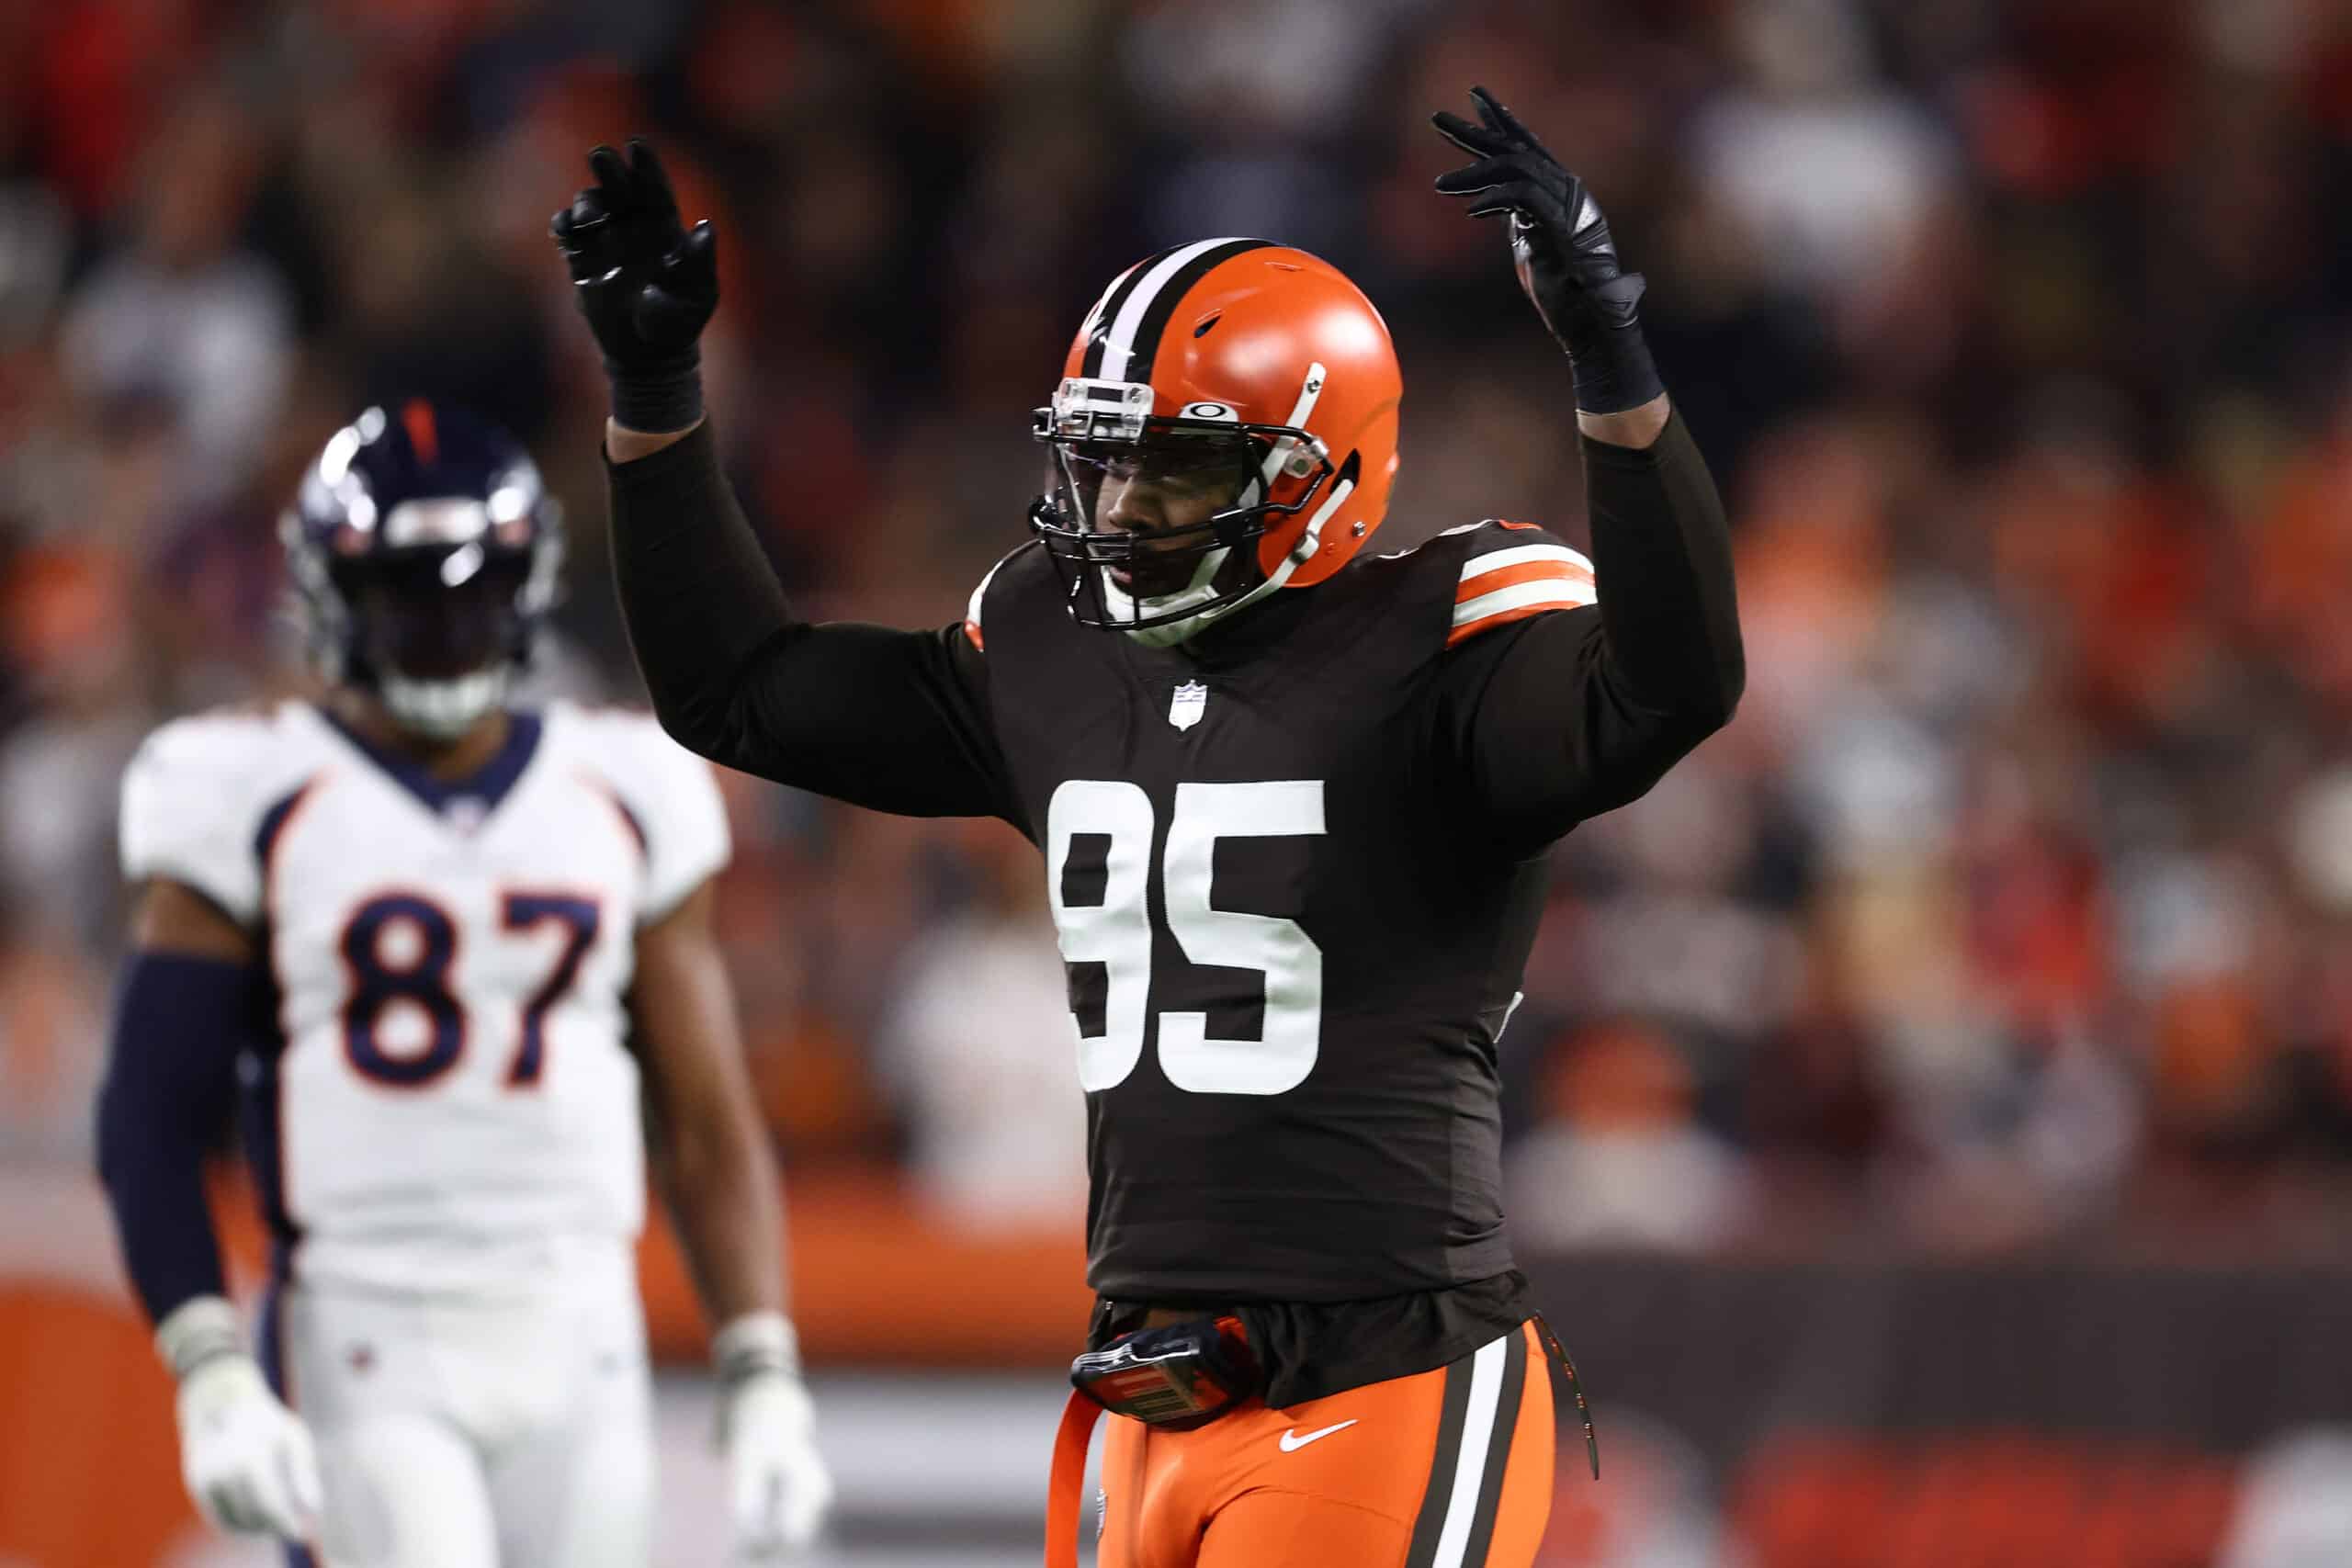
point(410, 619)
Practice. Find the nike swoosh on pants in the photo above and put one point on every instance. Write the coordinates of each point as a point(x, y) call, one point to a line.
point(1293, 1442)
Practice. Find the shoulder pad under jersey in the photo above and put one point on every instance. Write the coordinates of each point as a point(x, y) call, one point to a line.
point(668, 797)
point(204, 794)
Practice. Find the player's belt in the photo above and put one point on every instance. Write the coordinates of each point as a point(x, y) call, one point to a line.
point(1069, 1481)
point(1559, 1353)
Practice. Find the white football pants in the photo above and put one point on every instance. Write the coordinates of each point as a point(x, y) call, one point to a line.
point(458, 1433)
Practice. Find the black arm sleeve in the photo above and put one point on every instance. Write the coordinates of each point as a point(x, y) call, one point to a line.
point(894, 720)
point(180, 1023)
point(1569, 715)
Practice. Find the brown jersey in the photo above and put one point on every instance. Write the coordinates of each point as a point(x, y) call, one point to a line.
point(1295, 865)
point(1293, 937)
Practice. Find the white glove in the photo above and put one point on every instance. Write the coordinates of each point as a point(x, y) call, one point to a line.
point(777, 1485)
point(248, 1459)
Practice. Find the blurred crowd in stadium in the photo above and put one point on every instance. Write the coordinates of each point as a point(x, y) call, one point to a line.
point(2016, 904)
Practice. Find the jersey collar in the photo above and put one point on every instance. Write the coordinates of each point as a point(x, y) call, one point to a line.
point(485, 786)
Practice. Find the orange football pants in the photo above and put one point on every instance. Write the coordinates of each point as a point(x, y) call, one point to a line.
point(1450, 1468)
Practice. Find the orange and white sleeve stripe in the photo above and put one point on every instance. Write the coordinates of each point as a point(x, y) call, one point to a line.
point(1510, 585)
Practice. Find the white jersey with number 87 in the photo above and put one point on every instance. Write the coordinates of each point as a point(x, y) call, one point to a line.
point(451, 1102)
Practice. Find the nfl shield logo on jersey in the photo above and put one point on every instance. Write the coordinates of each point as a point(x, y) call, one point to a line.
point(1184, 708)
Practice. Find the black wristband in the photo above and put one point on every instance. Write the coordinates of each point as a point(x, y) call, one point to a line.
point(1613, 368)
point(658, 399)
point(1607, 351)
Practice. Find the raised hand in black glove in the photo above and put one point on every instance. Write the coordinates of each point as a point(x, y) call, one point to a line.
point(646, 284)
point(1566, 261)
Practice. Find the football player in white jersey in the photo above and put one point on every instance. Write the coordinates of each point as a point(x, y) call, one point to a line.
point(434, 950)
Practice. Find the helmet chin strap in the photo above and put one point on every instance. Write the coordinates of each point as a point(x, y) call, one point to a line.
point(444, 710)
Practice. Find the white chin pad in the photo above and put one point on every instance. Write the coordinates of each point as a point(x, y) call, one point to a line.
point(443, 710)
point(1124, 606)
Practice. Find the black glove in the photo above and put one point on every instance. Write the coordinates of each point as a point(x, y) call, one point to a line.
point(645, 284)
point(1566, 261)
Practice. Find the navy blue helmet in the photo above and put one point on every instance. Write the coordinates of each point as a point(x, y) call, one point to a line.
point(424, 550)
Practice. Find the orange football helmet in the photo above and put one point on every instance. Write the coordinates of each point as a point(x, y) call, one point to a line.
point(1257, 365)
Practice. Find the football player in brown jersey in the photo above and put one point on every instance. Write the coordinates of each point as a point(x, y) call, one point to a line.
point(1292, 799)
